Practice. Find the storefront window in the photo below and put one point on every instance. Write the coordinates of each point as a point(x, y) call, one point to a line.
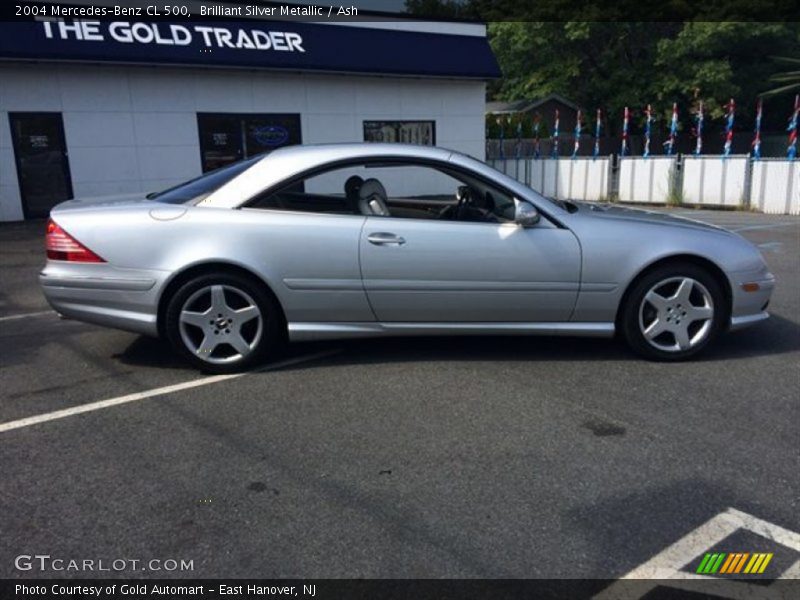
point(403, 132)
point(226, 138)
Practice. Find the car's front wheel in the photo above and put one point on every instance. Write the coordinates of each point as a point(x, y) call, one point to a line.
point(223, 322)
point(673, 312)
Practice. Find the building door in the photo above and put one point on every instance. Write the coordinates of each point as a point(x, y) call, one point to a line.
point(225, 138)
point(42, 164)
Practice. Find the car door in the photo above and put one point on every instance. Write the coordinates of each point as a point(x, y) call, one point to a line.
point(307, 244)
point(418, 270)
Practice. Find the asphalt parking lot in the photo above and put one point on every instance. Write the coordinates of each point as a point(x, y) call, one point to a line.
point(425, 457)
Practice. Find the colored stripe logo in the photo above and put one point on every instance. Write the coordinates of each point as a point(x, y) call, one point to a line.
point(733, 563)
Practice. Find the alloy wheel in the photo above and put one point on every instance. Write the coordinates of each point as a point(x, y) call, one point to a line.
point(220, 324)
point(676, 314)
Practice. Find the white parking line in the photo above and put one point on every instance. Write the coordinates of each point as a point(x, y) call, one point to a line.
point(92, 406)
point(772, 226)
point(26, 315)
point(771, 246)
point(668, 563)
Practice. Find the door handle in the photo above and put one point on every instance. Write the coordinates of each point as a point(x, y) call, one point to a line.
point(385, 239)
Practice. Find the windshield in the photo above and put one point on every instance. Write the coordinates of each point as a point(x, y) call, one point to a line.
point(198, 188)
point(564, 205)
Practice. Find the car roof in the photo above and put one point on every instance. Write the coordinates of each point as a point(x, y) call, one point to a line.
point(349, 149)
point(288, 161)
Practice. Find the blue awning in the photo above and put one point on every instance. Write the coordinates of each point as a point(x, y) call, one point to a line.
point(294, 46)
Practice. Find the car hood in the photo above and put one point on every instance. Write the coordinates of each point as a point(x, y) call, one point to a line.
point(636, 215)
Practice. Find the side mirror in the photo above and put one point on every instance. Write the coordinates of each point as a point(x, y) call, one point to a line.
point(525, 213)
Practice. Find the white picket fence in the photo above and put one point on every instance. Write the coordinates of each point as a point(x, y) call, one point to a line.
point(770, 185)
point(710, 180)
point(646, 179)
point(562, 178)
point(775, 186)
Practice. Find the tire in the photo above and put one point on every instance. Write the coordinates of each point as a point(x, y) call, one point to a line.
point(673, 313)
point(224, 322)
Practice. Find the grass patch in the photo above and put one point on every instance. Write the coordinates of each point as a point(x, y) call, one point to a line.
point(675, 197)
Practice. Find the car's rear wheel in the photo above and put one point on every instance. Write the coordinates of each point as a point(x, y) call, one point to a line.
point(673, 312)
point(223, 322)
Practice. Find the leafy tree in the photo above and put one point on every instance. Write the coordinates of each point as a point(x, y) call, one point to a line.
point(613, 65)
point(789, 80)
point(597, 65)
point(714, 62)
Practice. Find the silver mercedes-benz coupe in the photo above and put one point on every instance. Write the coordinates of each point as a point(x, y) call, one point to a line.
point(352, 240)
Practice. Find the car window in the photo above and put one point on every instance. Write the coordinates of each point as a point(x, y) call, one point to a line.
point(568, 206)
point(393, 189)
point(198, 188)
point(327, 192)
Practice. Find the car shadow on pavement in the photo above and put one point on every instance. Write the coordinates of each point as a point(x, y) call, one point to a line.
point(147, 351)
point(627, 530)
point(776, 336)
point(151, 352)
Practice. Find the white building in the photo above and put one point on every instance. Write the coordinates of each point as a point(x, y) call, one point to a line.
point(90, 108)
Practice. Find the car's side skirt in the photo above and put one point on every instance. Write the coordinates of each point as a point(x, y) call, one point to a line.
point(305, 331)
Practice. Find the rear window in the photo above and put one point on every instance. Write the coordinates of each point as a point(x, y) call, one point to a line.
point(195, 190)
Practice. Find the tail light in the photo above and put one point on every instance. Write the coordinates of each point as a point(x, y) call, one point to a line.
point(62, 246)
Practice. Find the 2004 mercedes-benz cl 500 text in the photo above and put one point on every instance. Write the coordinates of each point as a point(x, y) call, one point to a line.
point(351, 240)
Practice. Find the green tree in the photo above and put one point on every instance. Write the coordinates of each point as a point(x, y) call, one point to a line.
point(610, 65)
point(597, 65)
point(714, 62)
point(789, 80)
